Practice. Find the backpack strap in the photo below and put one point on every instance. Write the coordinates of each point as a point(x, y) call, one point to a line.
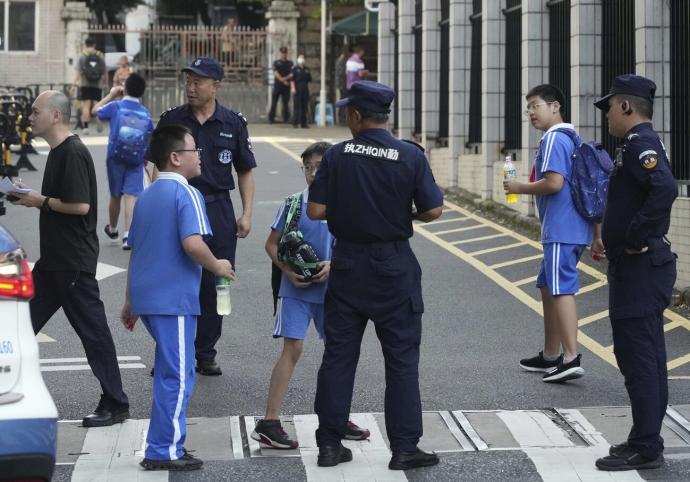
point(572, 135)
point(293, 205)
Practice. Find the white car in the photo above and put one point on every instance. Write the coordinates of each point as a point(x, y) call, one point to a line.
point(28, 416)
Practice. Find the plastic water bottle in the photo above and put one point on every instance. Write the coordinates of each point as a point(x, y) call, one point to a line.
point(509, 172)
point(223, 304)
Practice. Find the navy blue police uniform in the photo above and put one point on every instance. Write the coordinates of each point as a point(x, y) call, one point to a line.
point(301, 77)
point(641, 192)
point(225, 144)
point(368, 185)
point(280, 90)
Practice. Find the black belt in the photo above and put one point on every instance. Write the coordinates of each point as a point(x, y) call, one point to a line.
point(217, 196)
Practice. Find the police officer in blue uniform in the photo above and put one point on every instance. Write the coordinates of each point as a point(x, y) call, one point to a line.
point(300, 88)
point(365, 188)
point(282, 74)
point(222, 135)
point(642, 267)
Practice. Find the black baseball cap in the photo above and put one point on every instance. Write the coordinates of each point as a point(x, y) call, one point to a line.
point(370, 96)
point(628, 84)
point(206, 67)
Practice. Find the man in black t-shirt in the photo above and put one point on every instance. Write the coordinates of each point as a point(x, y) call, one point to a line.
point(65, 274)
point(282, 73)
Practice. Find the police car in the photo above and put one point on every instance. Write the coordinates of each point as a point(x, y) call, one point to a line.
point(28, 417)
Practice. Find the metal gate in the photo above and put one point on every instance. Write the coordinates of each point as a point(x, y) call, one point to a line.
point(513, 76)
point(559, 49)
point(680, 99)
point(166, 50)
point(444, 84)
point(418, 69)
point(474, 130)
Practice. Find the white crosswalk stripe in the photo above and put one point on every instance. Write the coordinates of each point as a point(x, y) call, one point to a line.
point(561, 443)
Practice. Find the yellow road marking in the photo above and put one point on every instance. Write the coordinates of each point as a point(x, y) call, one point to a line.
point(460, 230)
point(493, 250)
point(676, 362)
point(591, 287)
point(443, 221)
point(516, 261)
point(671, 326)
point(287, 151)
point(595, 317)
point(679, 377)
point(525, 281)
point(480, 238)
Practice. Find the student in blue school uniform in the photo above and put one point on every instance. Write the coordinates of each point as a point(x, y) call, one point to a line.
point(300, 302)
point(564, 234)
point(168, 252)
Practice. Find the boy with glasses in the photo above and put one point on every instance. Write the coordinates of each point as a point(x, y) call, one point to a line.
point(565, 234)
point(300, 302)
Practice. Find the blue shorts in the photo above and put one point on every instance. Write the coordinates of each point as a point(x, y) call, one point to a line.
point(123, 179)
point(559, 268)
point(293, 317)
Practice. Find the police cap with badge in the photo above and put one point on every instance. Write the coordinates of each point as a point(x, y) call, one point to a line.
point(206, 67)
point(628, 84)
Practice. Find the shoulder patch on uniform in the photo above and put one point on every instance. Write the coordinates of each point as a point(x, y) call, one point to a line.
point(649, 159)
point(632, 136)
point(387, 153)
point(414, 144)
point(165, 112)
point(241, 116)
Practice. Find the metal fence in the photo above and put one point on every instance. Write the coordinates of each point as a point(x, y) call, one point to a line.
point(166, 50)
point(559, 49)
point(513, 76)
point(680, 87)
point(474, 132)
point(618, 51)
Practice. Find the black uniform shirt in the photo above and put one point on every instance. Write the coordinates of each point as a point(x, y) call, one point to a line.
point(368, 185)
point(641, 192)
point(284, 68)
point(224, 141)
point(69, 242)
point(301, 75)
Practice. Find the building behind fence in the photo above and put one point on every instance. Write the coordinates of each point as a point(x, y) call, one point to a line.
point(462, 69)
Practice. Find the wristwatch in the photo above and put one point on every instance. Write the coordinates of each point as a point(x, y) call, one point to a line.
point(45, 206)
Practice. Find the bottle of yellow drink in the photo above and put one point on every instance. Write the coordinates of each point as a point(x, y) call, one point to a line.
point(223, 304)
point(509, 172)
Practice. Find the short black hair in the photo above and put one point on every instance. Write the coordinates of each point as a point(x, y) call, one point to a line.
point(89, 42)
point(374, 117)
point(548, 92)
point(640, 105)
point(357, 48)
point(135, 85)
point(316, 149)
point(164, 141)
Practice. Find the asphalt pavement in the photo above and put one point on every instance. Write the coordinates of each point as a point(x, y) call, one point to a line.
point(488, 419)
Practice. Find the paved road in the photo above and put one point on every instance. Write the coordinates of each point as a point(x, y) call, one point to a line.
point(488, 419)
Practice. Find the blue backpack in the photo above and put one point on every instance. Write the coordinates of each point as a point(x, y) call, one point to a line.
point(132, 137)
point(589, 177)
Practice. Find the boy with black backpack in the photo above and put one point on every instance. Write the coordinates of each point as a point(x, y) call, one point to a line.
point(91, 77)
point(130, 129)
point(301, 249)
point(565, 234)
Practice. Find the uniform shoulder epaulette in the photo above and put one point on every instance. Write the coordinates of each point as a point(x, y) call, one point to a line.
point(632, 136)
point(167, 111)
point(241, 116)
point(414, 144)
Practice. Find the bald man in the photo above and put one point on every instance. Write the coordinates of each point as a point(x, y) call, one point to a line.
point(65, 274)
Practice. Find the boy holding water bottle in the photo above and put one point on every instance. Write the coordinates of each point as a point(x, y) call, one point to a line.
point(300, 301)
point(168, 252)
point(564, 234)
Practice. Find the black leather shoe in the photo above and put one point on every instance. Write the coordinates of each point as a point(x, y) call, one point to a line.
point(330, 456)
point(618, 448)
point(185, 463)
point(106, 414)
point(209, 369)
point(412, 460)
point(628, 460)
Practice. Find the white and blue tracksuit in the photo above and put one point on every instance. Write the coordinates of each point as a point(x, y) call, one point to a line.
point(164, 290)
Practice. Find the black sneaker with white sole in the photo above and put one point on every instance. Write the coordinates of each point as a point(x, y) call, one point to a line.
point(270, 433)
point(113, 235)
point(565, 371)
point(539, 363)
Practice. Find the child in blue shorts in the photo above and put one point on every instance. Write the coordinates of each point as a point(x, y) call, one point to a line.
point(564, 234)
point(300, 302)
point(168, 252)
point(130, 128)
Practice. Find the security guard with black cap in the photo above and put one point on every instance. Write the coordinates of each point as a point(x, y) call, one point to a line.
point(222, 136)
point(642, 267)
point(365, 188)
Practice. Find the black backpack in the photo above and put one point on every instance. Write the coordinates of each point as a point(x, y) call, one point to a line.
point(93, 66)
